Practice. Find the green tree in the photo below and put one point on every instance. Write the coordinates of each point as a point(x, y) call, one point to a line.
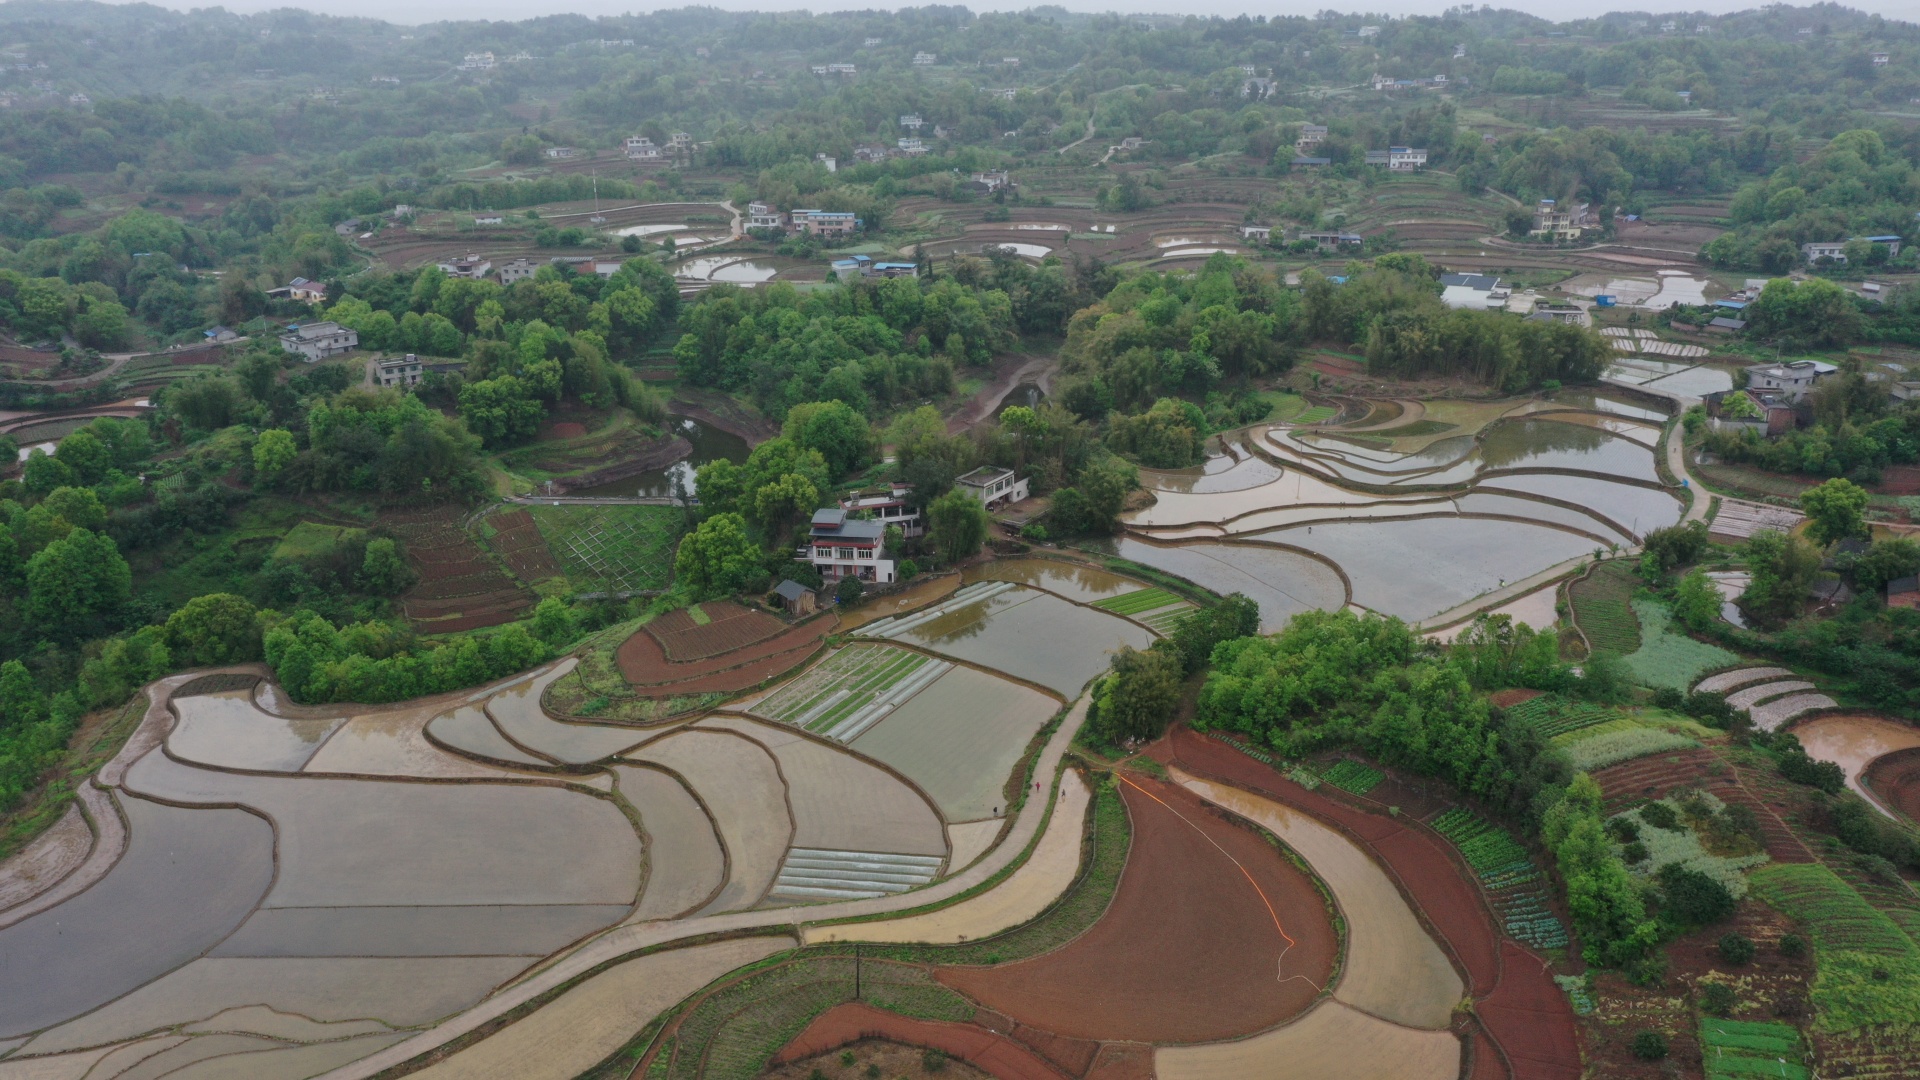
point(836, 430)
point(1696, 601)
point(501, 411)
point(273, 451)
point(956, 525)
point(1782, 568)
point(76, 583)
point(780, 502)
point(1885, 561)
point(102, 325)
point(382, 571)
point(21, 702)
point(553, 622)
point(1138, 695)
point(86, 455)
point(718, 558)
point(1836, 510)
point(44, 472)
point(218, 628)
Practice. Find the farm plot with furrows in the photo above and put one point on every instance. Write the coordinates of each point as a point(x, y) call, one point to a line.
point(460, 588)
point(1734, 1049)
point(1551, 714)
point(1352, 776)
point(1138, 602)
point(1602, 611)
point(1507, 873)
point(711, 629)
point(853, 690)
point(1632, 782)
point(517, 540)
point(1870, 1052)
point(611, 548)
point(644, 663)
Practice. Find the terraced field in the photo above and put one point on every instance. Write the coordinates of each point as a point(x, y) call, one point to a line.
point(1508, 874)
point(1552, 715)
point(852, 690)
point(1602, 612)
point(460, 587)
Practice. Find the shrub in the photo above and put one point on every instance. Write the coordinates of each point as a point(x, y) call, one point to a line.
point(1691, 898)
point(1792, 946)
point(934, 1061)
point(849, 591)
point(1717, 999)
point(1668, 697)
point(1649, 1046)
point(909, 569)
point(1661, 816)
point(1634, 853)
point(1623, 829)
point(1736, 949)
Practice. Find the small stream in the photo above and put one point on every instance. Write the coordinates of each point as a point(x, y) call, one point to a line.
point(709, 444)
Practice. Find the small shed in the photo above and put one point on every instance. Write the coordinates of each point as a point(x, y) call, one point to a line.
point(796, 598)
point(1904, 592)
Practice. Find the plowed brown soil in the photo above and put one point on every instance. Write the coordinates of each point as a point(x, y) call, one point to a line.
point(1193, 947)
point(1896, 780)
point(729, 626)
point(644, 662)
point(994, 1054)
point(1530, 1019)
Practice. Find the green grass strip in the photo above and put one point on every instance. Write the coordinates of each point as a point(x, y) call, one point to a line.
point(1133, 603)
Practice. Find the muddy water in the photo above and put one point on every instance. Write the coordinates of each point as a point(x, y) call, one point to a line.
point(1550, 444)
point(709, 444)
point(1076, 581)
point(1600, 402)
point(1222, 472)
point(1853, 742)
point(1283, 583)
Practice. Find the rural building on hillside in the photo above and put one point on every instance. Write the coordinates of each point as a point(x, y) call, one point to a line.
point(305, 291)
point(1398, 158)
point(1475, 292)
point(1831, 250)
point(891, 505)
point(1795, 378)
point(317, 341)
point(641, 148)
point(825, 222)
point(1903, 592)
point(842, 547)
point(993, 487)
point(762, 216)
point(401, 371)
point(1310, 135)
point(1255, 232)
point(796, 598)
point(1555, 222)
point(1334, 239)
point(518, 270)
point(471, 266)
point(560, 153)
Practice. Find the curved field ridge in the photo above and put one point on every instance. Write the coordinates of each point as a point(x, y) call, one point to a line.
point(627, 939)
point(1210, 935)
point(740, 785)
point(589, 1022)
point(1856, 743)
point(1440, 887)
point(685, 863)
point(516, 711)
point(840, 802)
point(1393, 968)
point(48, 859)
point(853, 1021)
point(1038, 882)
point(960, 739)
point(1332, 1042)
point(728, 626)
point(1728, 680)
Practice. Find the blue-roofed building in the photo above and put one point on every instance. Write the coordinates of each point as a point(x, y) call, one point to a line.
point(1892, 242)
point(895, 269)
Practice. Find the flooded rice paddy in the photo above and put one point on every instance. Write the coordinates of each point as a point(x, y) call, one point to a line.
point(1480, 495)
point(1036, 637)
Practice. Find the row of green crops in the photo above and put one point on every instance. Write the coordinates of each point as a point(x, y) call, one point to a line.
point(1600, 609)
point(1352, 776)
point(1551, 714)
point(1139, 600)
point(1511, 880)
point(1868, 968)
point(1735, 1049)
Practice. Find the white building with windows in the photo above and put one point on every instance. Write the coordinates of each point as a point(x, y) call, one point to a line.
point(842, 547)
point(641, 148)
point(402, 371)
point(317, 341)
point(993, 487)
point(1794, 379)
point(890, 505)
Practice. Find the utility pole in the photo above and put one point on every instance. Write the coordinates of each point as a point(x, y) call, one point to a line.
point(856, 971)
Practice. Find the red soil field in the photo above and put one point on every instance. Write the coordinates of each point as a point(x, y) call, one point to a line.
point(977, 1046)
point(565, 429)
point(1507, 699)
point(1896, 780)
point(1541, 1044)
point(644, 662)
point(1188, 951)
point(730, 627)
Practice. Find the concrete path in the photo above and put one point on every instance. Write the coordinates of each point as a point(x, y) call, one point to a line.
point(628, 939)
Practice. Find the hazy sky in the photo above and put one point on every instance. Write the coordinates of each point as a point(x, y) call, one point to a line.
point(422, 11)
